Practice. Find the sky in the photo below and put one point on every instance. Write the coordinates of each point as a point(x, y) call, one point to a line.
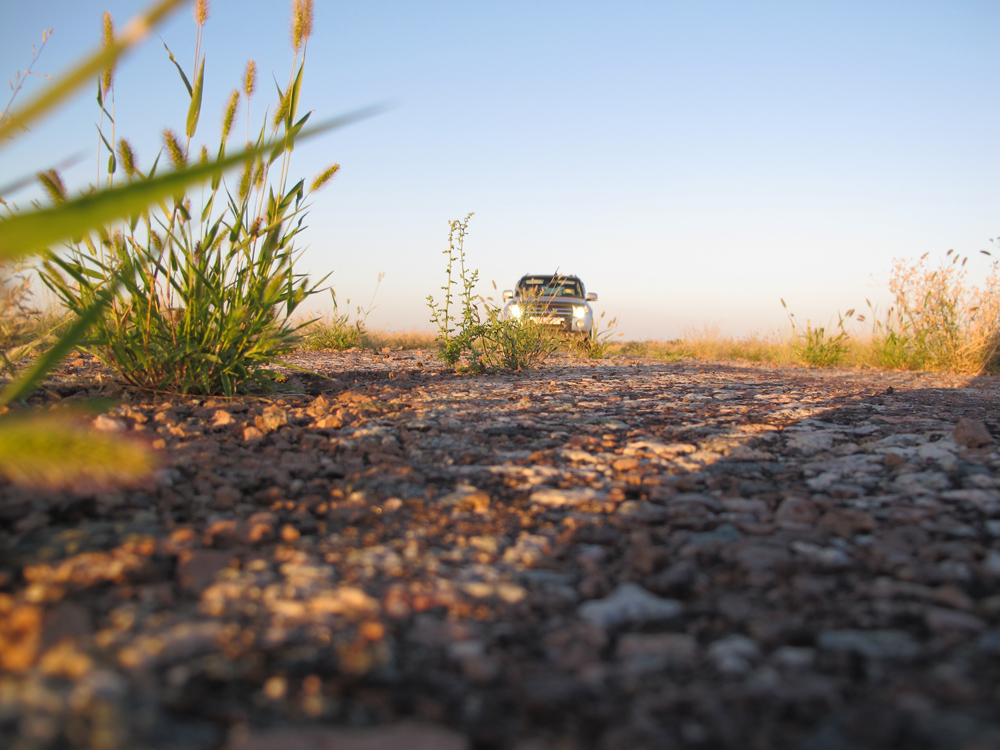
point(693, 162)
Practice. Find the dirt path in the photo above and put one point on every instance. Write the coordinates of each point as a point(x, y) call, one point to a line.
point(626, 554)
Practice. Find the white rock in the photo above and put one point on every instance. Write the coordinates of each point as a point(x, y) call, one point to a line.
point(734, 654)
point(629, 604)
point(811, 443)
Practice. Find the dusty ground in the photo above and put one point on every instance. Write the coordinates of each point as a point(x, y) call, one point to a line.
point(626, 554)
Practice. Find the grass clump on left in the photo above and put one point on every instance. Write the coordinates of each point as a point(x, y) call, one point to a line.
point(58, 450)
point(201, 288)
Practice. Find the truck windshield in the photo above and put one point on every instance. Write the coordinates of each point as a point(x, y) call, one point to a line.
point(549, 286)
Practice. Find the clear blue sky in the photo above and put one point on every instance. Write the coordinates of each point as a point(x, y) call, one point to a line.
point(693, 162)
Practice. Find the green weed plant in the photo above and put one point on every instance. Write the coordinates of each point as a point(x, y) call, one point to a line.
point(481, 343)
point(820, 346)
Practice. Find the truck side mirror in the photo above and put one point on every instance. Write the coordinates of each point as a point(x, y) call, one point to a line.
point(508, 294)
point(591, 297)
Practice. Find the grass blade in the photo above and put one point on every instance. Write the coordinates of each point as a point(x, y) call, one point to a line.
point(195, 109)
point(60, 451)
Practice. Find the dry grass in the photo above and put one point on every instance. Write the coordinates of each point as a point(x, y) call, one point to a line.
point(379, 339)
point(709, 343)
point(338, 333)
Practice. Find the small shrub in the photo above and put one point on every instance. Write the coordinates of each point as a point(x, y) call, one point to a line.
point(514, 344)
point(336, 332)
point(490, 344)
point(938, 321)
point(817, 346)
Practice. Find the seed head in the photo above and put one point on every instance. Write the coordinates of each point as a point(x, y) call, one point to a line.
point(174, 147)
point(258, 175)
point(282, 109)
point(201, 12)
point(127, 156)
point(107, 40)
point(245, 180)
point(53, 185)
point(227, 120)
point(302, 19)
point(250, 79)
point(203, 159)
point(324, 177)
point(255, 227)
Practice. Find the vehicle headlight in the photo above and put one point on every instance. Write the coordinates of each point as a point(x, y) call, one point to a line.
point(515, 311)
point(579, 311)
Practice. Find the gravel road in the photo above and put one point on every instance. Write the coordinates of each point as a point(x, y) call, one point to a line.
point(615, 554)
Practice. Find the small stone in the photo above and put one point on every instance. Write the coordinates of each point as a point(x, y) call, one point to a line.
point(972, 433)
point(642, 510)
point(467, 497)
point(625, 464)
point(107, 424)
point(735, 654)
point(894, 460)
point(66, 661)
point(226, 496)
point(271, 419)
point(873, 644)
point(811, 443)
point(629, 603)
point(650, 652)
point(793, 657)
point(276, 687)
point(796, 512)
point(221, 418)
point(180, 643)
point(723, 534)
point(940, 620)
point(846, 522)
point(990, 642)
point(196, 570)
point(66, 621)
point(20, 636)
point(830, 558)
point(557, 498)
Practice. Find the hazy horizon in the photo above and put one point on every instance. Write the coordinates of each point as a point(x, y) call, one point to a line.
point(692, 163)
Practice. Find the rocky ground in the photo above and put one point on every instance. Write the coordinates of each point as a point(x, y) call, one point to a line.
point(617, 554)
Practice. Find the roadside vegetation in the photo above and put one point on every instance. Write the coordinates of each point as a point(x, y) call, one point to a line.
point(481, 340)
point(937, 321)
